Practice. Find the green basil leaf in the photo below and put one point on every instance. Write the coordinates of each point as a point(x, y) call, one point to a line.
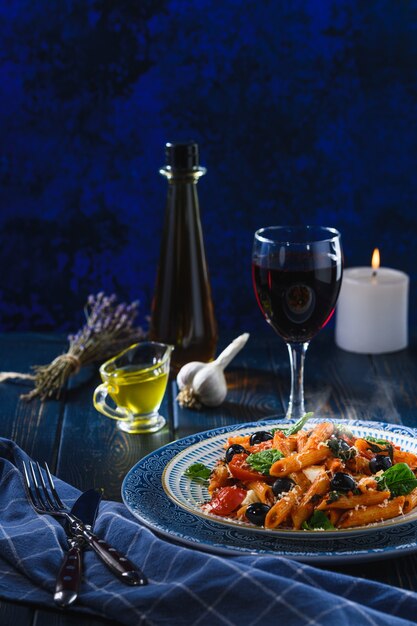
point(198, 471)
point(262, 461)
point(291, 430)
point(398, 479)
point(375, 440)
point(381, 484)
point(318, 521)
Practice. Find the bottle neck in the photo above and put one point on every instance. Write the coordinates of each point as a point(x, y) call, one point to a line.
point(182, 176)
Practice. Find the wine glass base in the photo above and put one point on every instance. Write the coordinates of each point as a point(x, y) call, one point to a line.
point(137, 426)
point(295, 414)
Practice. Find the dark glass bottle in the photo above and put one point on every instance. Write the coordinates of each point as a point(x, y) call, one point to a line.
point(182, 307)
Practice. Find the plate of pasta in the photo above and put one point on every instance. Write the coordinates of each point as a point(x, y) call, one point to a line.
point(313, 478)
point(147, 484)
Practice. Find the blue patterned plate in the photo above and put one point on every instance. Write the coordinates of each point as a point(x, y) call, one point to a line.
point(144, 495)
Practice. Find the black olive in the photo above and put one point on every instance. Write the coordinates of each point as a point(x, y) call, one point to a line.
point(342, 482)
point(259, 436)
point(343, 445)
point(282, 485)
point(379, 462)
point(256, 513)
point(232, 450)
point(341, 449)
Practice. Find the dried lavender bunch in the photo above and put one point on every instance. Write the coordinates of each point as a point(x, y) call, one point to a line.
point(108, 330)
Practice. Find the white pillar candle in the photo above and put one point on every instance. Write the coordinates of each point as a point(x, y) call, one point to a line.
point(372, 311)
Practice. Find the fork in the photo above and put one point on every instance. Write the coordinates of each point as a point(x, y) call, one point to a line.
point(47, 502)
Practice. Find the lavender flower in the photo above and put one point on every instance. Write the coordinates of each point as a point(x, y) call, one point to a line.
point(109, 328)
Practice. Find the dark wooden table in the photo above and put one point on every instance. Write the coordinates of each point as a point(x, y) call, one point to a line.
point(87, 450)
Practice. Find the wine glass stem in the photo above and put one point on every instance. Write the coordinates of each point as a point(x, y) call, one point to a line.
point(297, 352)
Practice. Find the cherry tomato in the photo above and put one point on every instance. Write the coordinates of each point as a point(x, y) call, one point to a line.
point(227, 500)
point(241, 470)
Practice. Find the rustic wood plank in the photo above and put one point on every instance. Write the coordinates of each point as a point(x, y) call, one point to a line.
point(399, 572)
point(34, 426)
point(12, 614)
point(397, 375)
point(337, 383)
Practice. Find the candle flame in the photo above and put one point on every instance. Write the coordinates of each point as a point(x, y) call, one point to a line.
point(376, 261)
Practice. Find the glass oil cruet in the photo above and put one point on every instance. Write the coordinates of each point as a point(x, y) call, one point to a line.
point(182, 307)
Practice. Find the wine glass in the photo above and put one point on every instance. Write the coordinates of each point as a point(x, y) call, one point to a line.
point(297, 274)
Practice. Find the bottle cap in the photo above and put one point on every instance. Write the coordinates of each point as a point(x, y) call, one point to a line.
point(182, 155)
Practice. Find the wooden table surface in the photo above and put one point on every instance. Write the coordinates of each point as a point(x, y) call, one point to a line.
point(87, 450)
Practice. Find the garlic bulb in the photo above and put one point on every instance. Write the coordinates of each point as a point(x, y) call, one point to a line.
point(187, 373)
point(205, 383)
point(209, 385)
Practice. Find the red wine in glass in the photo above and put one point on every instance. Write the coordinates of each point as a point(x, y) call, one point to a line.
point(297, 275)
point(297, 304)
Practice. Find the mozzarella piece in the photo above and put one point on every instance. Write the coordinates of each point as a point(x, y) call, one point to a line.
point(312, 472)
point(250, 498)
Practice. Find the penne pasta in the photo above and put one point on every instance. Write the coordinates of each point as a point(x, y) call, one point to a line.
point(372, 514)
point(334, 516)
point(302, 437)
point(280, 511)
point(334, 465)
point(320, 433)
point(306, 507)
point(296, 462)
point(281, 443)
point(262, 490)
point(401, 456)
point(359, 465)
point(410, 501)
point(219, 477)
point(293, 443)
point(240, 440)
point(300, 479)
point(363, 447)
point(366, 482)
point(350, 502)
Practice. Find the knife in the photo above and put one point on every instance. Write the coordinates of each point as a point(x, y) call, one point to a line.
point(117, 563)
point(68, 581)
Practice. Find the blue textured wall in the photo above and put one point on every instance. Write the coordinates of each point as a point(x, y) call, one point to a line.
point(304, 112)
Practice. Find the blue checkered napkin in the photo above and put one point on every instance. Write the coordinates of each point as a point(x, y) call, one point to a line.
point(186, 587)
